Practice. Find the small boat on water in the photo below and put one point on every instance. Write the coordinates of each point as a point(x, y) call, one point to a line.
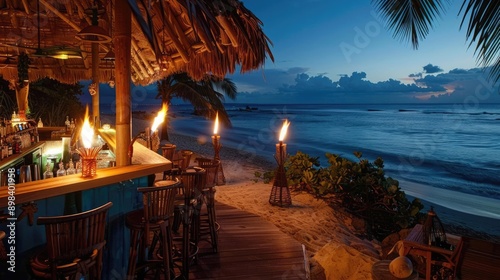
point(248, 109)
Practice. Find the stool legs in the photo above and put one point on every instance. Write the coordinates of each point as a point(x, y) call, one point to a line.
point(213, 227)
point(211, 219)
point(137, 255)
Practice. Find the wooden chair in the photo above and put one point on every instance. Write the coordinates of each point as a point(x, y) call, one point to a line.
point(480, 260)
point(208, 221)
point(435, 256)
point(74, 245)
point(153, 219)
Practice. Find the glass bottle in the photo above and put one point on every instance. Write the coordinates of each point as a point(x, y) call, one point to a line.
point(79, 167)
point(67, 123)
point(71, 169)
point(48, 172)
point(61, 171)
point(40, 123)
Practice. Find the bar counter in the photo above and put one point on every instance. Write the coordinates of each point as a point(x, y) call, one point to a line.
point(51, 196)
point(52, 187)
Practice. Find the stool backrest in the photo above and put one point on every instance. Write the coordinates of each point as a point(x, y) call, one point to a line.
point(211, 167)
point(158, 203)
point(193, 181)
point(168, 151)
point(186, 158)
point(76, 236)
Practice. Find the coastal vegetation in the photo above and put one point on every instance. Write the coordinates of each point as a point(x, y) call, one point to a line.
point(360, 187)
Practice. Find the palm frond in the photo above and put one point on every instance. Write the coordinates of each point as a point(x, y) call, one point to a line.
point(483, 29)
point(410, 19)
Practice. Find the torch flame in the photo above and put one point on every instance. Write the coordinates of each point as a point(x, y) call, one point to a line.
point(87, 131)
point(216, 124)
point(284, 128)
point(160, 117)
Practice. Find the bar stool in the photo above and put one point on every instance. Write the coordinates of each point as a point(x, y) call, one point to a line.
point(74, 245)
point(181, 161)
point(186, 213)
point(208, 220)
point(153, 218)
point(168, 151)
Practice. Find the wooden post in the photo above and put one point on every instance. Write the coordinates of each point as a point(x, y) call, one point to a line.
point(122, 43)
point(95, 80)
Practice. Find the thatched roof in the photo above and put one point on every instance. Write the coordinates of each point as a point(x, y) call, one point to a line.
point(197, 37)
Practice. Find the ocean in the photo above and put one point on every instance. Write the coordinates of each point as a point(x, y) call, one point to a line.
point(448, 155)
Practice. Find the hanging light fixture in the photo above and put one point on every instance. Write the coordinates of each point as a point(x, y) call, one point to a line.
point(110, 55)
point(63, 52)
point(94, 33)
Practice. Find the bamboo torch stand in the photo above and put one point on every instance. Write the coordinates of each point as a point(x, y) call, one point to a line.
point(280, 193)
point(221, 179)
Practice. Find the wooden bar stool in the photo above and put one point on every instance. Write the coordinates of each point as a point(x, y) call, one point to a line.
point(208, 220)
point(186, 213)
point(181, 161)
point(74, 246)
point(168, 151)
point(153, 219)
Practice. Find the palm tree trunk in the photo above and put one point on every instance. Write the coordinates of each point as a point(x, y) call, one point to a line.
point(164, 130)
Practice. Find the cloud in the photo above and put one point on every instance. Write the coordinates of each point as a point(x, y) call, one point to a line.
point(357, 88)
point(431, 69)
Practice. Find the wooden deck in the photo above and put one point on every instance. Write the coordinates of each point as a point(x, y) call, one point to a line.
point(250, 248)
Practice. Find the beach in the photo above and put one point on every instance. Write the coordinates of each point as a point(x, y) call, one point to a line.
point(330, 235)
point(334, 239)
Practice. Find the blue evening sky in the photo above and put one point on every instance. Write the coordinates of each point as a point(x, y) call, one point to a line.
point(341, 52)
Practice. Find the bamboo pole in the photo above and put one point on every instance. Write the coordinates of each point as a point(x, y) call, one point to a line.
point(95, 80)
point(122, 43)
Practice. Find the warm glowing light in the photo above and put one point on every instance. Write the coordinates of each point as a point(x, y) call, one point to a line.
point(61, 56)
point(160, 117)
point(284, 128)
point(87, 131)
point(216, 123)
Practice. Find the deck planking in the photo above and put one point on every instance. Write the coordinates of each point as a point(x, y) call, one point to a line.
point(250, 248)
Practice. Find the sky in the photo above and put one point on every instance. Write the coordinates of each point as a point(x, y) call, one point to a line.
point(342, 52)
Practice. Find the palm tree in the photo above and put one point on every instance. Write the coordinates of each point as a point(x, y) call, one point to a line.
point(412, 19)
point(202, 94)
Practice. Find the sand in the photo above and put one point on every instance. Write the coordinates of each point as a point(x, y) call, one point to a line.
point(331, 236)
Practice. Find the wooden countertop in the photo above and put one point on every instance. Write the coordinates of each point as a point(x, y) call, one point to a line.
point(145, 162)
point(41, 189)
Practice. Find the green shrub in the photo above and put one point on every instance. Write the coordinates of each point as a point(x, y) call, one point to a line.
point(360, 187)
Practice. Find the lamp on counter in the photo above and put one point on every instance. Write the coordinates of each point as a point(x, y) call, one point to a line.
point(149, 133)
point(221, 179)
point(88, 153)
point(280, 194)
